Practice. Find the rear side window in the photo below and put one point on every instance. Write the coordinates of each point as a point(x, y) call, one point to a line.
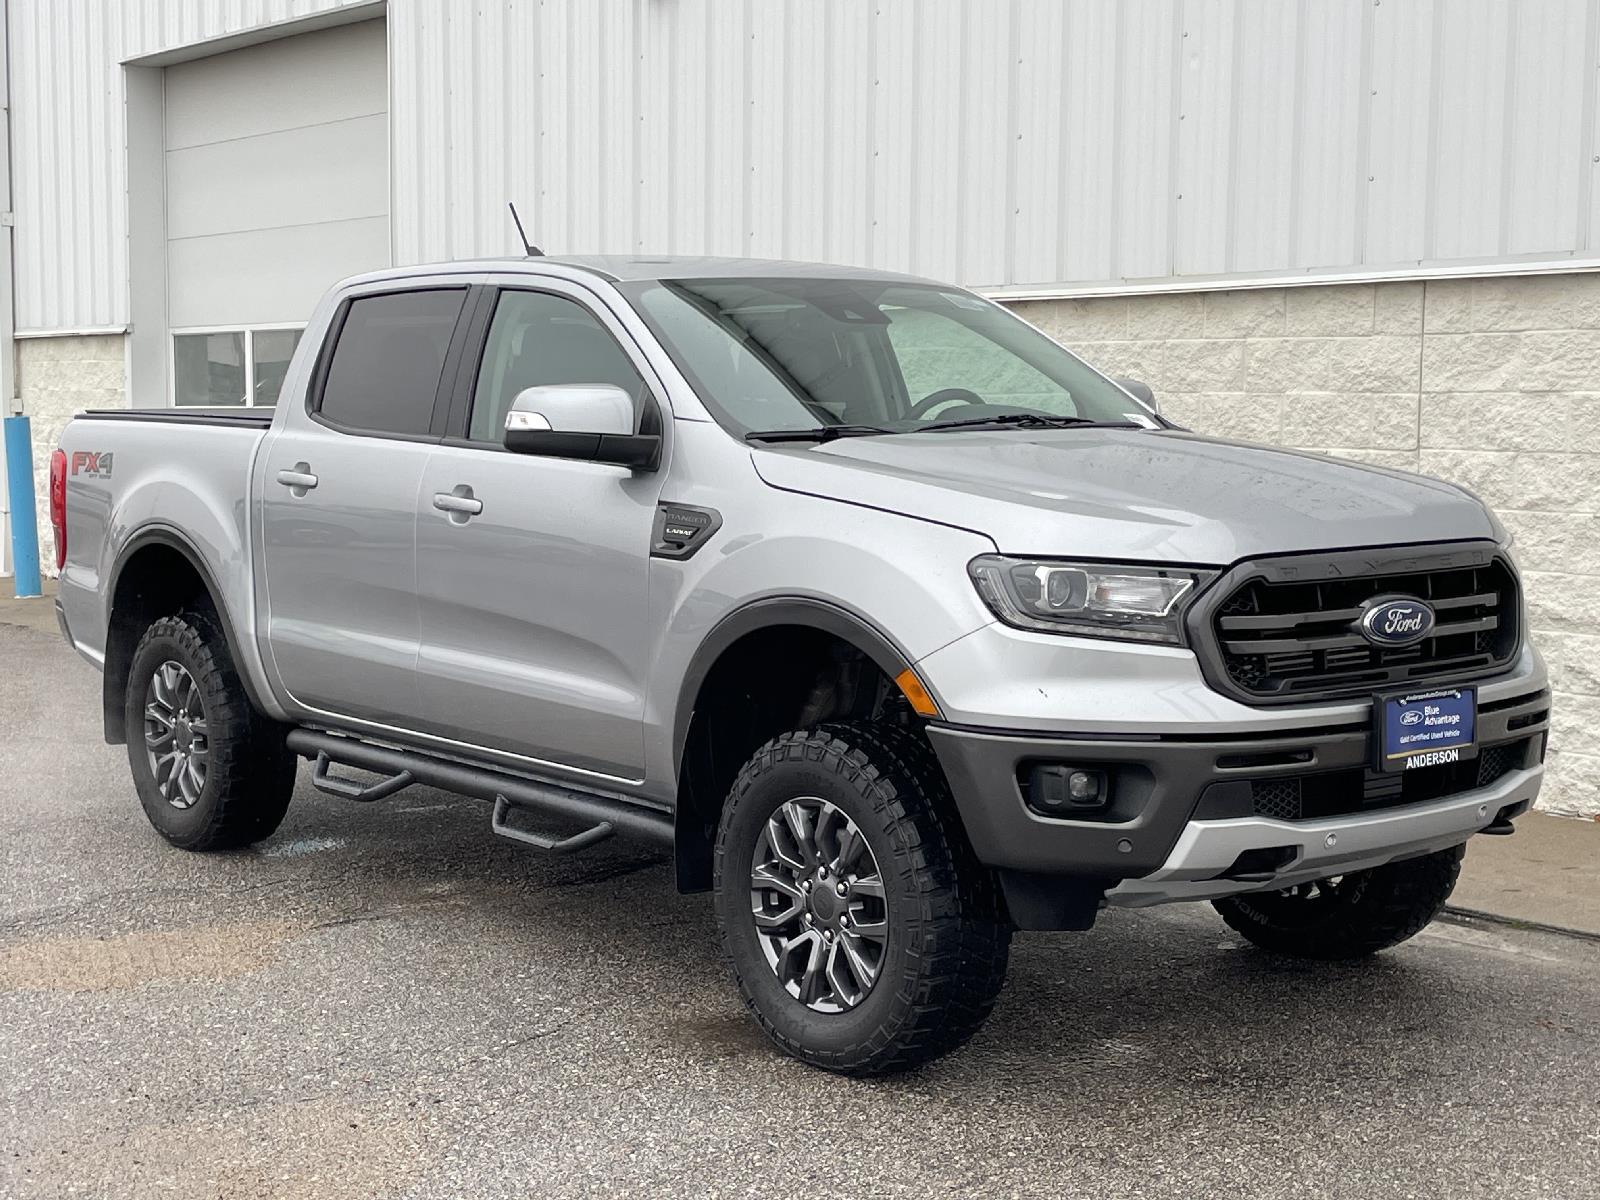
point(384, 375)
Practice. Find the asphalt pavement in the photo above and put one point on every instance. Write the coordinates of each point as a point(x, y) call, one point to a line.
point(387, 1000)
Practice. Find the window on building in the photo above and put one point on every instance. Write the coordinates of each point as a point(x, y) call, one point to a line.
point(231, 367)
point(384, 375)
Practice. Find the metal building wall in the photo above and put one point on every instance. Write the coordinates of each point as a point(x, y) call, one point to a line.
point(1039, 145)
point(69, 166)
point(1021, 142)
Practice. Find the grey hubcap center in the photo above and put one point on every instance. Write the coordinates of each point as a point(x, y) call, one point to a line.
point(826, 904)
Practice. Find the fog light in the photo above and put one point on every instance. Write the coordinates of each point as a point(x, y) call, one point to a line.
point(1055, 789)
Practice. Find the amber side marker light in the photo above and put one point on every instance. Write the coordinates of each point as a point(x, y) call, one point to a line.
point(921, 703)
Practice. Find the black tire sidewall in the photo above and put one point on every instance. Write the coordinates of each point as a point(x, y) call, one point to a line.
point(166, 642)
point(823, 1034)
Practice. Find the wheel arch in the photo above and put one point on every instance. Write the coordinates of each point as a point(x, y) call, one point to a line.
point(144, 585)
point(796, 623)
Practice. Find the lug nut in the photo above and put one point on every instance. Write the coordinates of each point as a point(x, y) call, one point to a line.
point(827, 935)
point(822, 872)
point(843, 889)
point(844, 921)
point(806, 886)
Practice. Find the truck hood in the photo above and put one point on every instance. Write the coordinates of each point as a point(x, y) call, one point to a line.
point(1138, 495)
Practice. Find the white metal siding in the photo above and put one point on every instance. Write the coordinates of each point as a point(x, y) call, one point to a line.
point(1022, 142)
point(277, 175)
point(70, 179)
point(1006, 142)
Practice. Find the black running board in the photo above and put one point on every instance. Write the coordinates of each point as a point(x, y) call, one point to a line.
point(502, 790)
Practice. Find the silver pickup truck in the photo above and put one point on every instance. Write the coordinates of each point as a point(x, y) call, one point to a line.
point(902, 626)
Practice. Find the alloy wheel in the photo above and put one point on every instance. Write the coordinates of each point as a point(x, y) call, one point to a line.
point(817, 897)
point(176, 736)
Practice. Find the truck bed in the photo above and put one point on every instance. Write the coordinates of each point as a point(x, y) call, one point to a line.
point(182, 470)
point(259, 417)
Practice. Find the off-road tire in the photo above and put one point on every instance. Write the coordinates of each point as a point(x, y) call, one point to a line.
point(948, 937)
point(250, 774)
point(1368, 911)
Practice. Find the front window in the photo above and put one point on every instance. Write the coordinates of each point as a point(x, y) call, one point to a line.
point(803, 353)
point(231, 367)
point(537, 339)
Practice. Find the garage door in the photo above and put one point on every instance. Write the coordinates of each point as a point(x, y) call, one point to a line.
point(277, 170)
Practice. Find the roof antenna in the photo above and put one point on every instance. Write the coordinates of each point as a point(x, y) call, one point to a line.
point(528, 247)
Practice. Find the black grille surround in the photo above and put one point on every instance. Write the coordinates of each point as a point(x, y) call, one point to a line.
point(1284, 630)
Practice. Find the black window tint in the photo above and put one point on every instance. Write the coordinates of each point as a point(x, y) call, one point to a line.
point(538, 339)
point(385, 371)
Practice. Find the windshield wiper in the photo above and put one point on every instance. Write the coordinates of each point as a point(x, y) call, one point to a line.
point(822, 433)
point(1024, 420)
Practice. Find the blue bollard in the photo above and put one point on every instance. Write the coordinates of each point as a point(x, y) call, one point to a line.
point(24, 518)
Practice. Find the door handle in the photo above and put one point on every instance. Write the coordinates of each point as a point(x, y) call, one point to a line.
point(298, 479)
point(456, 503)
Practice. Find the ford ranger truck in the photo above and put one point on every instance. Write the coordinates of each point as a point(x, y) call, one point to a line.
point(903, 627)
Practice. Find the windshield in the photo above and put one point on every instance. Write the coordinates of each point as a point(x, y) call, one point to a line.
point(802, 353)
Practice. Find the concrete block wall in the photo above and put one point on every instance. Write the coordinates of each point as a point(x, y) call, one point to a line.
point(56, 377)
point(1490, 383)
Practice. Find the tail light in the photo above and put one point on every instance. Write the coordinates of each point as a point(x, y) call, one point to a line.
point(58, 504)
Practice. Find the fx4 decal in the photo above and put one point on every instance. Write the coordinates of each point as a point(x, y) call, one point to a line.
point(92, 462)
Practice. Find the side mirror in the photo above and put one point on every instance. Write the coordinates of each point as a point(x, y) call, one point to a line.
point(1139, 390)
point(592, 422)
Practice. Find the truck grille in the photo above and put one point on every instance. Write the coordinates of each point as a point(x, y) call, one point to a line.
point(1291, 638)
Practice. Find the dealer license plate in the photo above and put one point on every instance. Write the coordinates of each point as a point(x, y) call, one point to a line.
point(1426, 729)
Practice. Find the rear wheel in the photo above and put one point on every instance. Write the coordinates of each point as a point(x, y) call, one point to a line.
point(211, 772)
point(1347, 916)
point(863, 934)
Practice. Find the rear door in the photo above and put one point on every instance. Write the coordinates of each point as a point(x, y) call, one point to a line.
point(339, 502)
point(534, 605)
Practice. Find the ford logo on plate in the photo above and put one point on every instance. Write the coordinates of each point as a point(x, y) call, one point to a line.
point(1396, 622)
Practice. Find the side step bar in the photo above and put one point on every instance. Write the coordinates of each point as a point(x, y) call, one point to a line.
point(324, 780)
point(504, 791)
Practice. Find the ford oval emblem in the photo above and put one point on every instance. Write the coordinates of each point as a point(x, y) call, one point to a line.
point(1396, 622)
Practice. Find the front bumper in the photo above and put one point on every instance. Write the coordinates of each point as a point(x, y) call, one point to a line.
point(1198, 865)
point(1185, 808)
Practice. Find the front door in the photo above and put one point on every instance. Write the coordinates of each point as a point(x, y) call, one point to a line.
point(533, 591)
point(339, 501)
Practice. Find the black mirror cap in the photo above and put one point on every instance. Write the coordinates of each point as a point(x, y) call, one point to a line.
point(638, 451)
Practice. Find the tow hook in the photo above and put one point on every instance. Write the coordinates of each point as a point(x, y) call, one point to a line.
point(1501, 826)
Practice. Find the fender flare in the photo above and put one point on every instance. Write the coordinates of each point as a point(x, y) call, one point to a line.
point(843, 623)
point(162, 534)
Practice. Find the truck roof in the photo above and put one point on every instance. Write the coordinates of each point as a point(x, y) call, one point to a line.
point(616, 268)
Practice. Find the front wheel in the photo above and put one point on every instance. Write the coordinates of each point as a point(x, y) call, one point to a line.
point(1347, 916)
point(863, 934)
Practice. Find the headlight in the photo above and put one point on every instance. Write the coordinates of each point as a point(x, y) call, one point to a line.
point(1144, 604)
